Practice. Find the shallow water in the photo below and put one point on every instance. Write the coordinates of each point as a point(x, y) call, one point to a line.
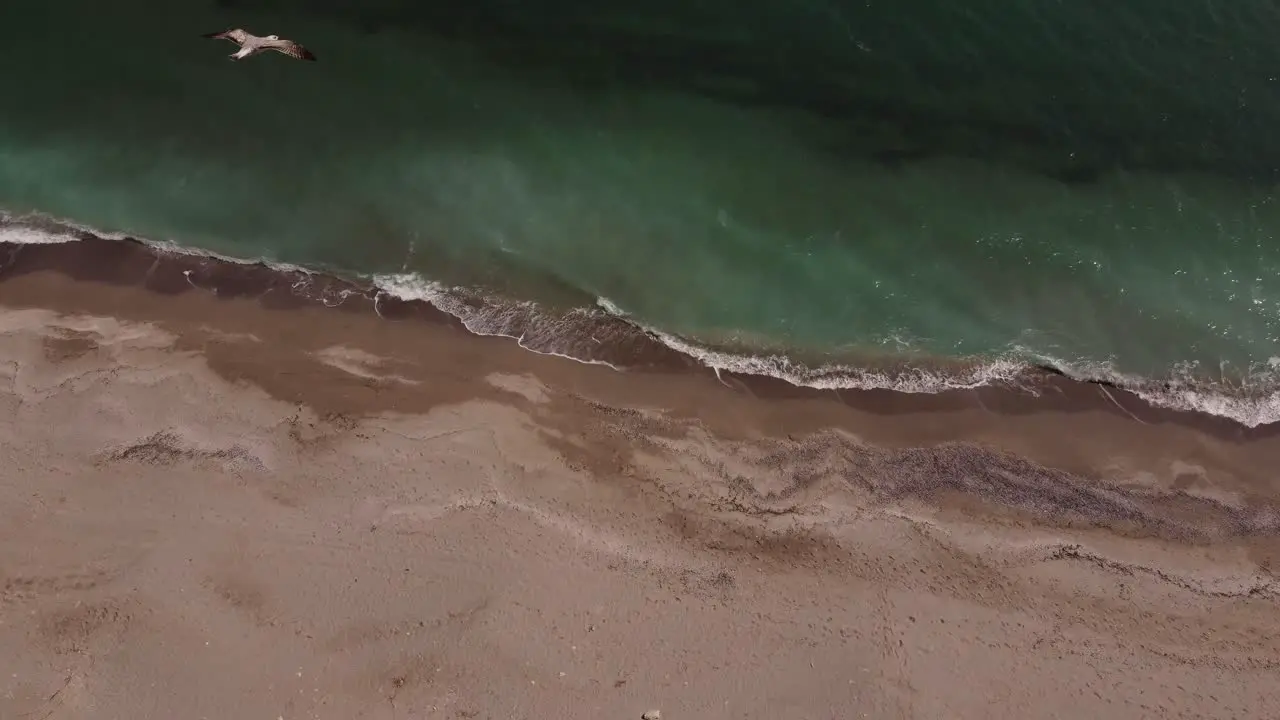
point(834, 182)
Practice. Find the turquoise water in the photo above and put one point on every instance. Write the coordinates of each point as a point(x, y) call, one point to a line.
point(1090, 185)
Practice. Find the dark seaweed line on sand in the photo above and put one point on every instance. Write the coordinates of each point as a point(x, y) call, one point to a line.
point(134, 263)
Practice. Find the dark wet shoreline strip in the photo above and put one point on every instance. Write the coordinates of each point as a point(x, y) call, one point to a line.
point(133, 263)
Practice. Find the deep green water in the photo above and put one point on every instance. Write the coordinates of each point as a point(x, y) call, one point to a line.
point(1089, 182)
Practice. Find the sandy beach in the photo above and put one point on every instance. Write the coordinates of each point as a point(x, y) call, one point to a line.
point(222, 498)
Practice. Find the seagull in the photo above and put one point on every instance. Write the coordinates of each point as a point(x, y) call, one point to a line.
point(251, 45)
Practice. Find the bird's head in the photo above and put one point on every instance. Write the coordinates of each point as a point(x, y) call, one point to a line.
point(273, 37)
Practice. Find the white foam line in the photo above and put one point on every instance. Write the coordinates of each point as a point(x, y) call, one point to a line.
point(1248, 411)
point(488, 321)
point(34, 221)
point(1262, 408)
point(1115, 402)
point(552, 353)
point(23, 235)
point(495, 321)
point(832, 377)
point(25, 229)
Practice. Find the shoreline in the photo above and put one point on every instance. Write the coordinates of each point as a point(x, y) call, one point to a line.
point(225, 497)
point(128, 262)
point(1060, 426)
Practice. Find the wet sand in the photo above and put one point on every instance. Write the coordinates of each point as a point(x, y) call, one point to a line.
point(221, 497)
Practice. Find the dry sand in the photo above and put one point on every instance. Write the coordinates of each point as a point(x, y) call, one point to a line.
point(210, 509)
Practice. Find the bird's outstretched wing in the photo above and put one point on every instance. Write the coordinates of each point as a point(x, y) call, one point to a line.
point(292, 49)
point(236, 36)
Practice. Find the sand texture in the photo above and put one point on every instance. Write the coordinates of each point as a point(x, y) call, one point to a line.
point(214, 509)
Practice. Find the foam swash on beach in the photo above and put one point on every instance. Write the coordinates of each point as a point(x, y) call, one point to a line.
point(827, 192)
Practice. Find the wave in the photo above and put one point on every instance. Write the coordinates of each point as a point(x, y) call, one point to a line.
point(35, 230)
point(581, 333)
point(607, 335)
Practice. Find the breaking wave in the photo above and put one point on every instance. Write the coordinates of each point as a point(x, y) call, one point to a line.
point(588, 335)
point(606, 334)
